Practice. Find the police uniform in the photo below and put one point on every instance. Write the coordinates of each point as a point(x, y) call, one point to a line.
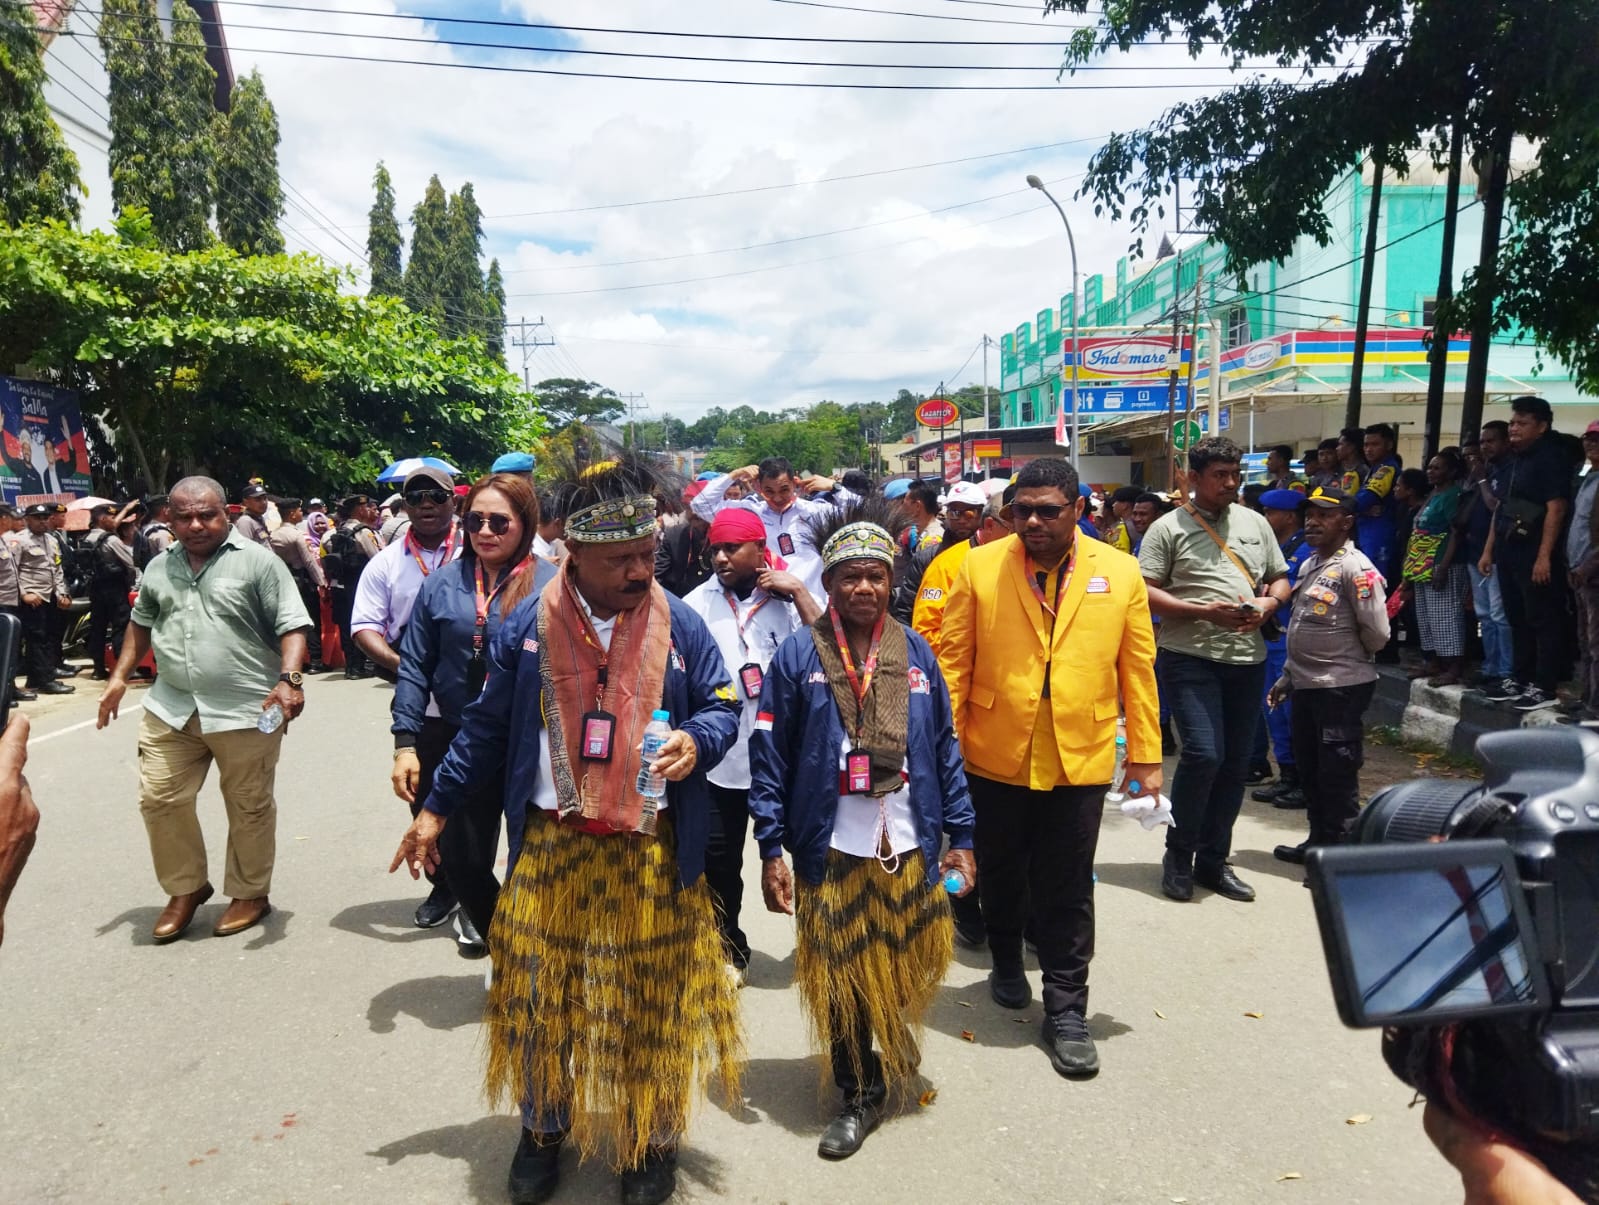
point(38, 567)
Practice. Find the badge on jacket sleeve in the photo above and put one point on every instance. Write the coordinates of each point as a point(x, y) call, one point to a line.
point(919, 684)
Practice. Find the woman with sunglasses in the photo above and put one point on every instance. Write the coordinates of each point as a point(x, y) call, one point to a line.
point(443, 655)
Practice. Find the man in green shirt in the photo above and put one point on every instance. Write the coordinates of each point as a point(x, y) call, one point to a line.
point(1215, 574)
point(228, 629)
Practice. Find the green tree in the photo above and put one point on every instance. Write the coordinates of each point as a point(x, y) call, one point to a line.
point(430, 236)
point(237, 366)
point(460, 285)
point(494, 311)
point(565, 402)
point(163, 120)
point(384, 243)
point(38, 171)
point(251, 200)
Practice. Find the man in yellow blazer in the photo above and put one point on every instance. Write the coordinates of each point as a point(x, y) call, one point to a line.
point(1045, 638)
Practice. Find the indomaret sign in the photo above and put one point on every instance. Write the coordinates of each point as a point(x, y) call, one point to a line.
point(1123, 357)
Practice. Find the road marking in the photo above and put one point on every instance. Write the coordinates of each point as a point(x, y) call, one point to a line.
point(50, 736)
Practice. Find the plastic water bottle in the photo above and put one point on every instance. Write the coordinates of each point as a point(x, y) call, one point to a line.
point(653, 786)
point(271, 719)
point(955, 881)
point(1117, 790)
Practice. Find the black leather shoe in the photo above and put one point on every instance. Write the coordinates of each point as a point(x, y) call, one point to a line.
point(21, 694)
point(1290, 800)
point(1177, 878)
point(55, 688)
point(1225, 883)
point(469, 942)
point(1257, 775)
point(535, 1168)
point(1071, 1047)
point(436, 909)
point(1291, 853)
point(653, 1180)
point(1010, 991)
point(846, 1132)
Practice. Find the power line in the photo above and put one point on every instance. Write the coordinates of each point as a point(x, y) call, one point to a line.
point(894, 12)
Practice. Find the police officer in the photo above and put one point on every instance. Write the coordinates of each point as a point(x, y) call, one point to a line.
point(43, 592)
point(10, 594)
point(61, 614)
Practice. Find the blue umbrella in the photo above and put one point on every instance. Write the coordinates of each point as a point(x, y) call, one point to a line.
point(710, 475)
point(401, 469)
point(897, 488)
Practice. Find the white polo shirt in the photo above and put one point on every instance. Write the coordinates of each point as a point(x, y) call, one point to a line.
point(766, 622)
point(391, 581)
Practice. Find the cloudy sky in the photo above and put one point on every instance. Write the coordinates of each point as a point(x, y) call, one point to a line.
point(799, 287)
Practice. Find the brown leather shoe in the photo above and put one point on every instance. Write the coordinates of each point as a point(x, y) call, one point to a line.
point(242, 915)
point(175, 917)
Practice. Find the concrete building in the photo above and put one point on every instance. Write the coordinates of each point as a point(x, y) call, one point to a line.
point(1285, 338)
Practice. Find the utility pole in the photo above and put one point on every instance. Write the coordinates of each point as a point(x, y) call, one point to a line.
point(1193, 355)
point(986, 342)
point(1176, 358)
point(526, 337)
point(1363, 314)
point(634, 403)
point(1438, 353)
point(1492, 164)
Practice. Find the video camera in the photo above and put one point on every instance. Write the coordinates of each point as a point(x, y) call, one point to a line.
point(1463, 918)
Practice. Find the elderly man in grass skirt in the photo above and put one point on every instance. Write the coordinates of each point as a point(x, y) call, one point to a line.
point(609, 1000)
point(855, 770)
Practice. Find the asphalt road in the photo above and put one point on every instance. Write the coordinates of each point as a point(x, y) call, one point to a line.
point(333, 1054)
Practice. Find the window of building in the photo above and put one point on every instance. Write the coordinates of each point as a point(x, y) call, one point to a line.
point(1027, 406)
point(1429, 312)
point(1237, 326)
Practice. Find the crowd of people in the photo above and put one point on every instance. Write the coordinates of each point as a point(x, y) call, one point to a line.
point(916, 699)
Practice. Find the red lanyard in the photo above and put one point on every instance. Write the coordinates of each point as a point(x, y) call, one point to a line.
point(742, 624)
point(415, 549)
point(485, 601)
point(863, 683)
point(592, 639)
point(1061, 583)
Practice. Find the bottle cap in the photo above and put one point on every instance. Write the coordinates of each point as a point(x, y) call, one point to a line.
point(663, 716)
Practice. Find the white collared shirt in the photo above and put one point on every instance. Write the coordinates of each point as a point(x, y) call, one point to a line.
point(391, 581)
point(858, 821)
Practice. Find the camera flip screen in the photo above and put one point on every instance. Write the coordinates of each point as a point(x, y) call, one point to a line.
point(1448, 937)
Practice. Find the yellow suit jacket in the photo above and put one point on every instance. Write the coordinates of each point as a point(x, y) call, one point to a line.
point(996, 644)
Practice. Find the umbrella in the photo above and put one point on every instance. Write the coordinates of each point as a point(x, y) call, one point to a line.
point(401, 469)
point(89, 502)
point(897, 488)
point(708, 475)
point(994, 485)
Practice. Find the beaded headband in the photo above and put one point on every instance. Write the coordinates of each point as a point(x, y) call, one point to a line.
point(613, 521)
point(856, 541)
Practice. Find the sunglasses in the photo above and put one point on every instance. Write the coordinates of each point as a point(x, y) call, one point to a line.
point(1021, 512)
point(436, 496)
point(476, 521)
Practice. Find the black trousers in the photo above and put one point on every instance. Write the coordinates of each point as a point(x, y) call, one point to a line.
point(724, 866)
point(1536, 615)
point(1035, 858)
point(854, 1041)
point(356, 663)
point(36, 648)
point(1329, 750)
point(312, 601)
point(108, 621)
point(471, 838)
point(58, 620)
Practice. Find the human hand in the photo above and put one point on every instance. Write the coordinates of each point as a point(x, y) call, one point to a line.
point(19, 818)
point(775, 581)
point(1540, 570)
point(110, 700)
point(1229, 615)
point(63, 601)
point(1148, 776)
point(1485, 565)
point(777, 886)
point(406, 774)
point(287, 697)
point(964, 861)
point(33, 600)
point(677, 758)
point(1279, 692)
point(747, 474)
point(1491, 1171)
point(419, 848)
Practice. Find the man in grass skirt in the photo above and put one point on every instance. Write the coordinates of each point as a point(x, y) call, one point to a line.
point(609, 1002)
point(855, 770)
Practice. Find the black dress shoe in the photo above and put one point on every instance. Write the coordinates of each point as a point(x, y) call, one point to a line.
point(1257, 775)
point(1177, 878)
point(1224, 882)
point(55, 688)
point(22, 695)
point(1071, 1047)
point(1010, 991)
point(846, 1132)
point(1291, 853)
point(1290, 800)
point(65, 671)
point(469, 943)
point(535, 1168)
point(653, 1180)
point(436, 909)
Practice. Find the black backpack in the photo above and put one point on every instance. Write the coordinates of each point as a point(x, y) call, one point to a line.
point(343, 558)
point(143, 547)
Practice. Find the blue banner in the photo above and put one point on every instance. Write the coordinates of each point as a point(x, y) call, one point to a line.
point(43, 456)
point(1122, 399)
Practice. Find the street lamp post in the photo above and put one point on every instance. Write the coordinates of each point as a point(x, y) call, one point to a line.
point(1035, 182)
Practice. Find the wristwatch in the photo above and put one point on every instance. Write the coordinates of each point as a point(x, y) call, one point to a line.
point(294, 678)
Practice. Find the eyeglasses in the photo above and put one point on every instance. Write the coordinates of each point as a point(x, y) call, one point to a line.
point(476, 521)
point(436, 496)
point(961, 509)
point(1021, 512)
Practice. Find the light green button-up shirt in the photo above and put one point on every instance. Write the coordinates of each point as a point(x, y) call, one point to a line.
point(217, 634)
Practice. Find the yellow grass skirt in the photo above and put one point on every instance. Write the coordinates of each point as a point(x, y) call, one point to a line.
point(873, 941)
point(610, 1000)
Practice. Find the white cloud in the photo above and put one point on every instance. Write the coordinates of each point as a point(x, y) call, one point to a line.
point(852, 316)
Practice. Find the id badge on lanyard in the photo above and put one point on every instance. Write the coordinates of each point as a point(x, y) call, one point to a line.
point(858, 771)
point(753, 679)
point(598, 729)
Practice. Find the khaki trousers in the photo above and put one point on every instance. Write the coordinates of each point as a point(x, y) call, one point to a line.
point(172, 767)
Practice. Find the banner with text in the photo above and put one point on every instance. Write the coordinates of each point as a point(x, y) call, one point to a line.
point(43, 454)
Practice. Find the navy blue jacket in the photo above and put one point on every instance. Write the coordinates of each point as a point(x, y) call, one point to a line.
point(500, 730)
point(437, 644)
point(795, 748)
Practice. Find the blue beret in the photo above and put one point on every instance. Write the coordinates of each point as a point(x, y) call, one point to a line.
point(513, 462)
point(1282, 500)
point(1084, 490)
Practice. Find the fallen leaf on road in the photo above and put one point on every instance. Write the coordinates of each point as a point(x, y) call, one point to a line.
point(968, 1036)
point(964, 1003)
point(1359, 1119)
point(928, 1097)
point(1021, 1020)
point(1162, 1016)
point(1256, 1016)
point(1289, 1176)
point(302, 838)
